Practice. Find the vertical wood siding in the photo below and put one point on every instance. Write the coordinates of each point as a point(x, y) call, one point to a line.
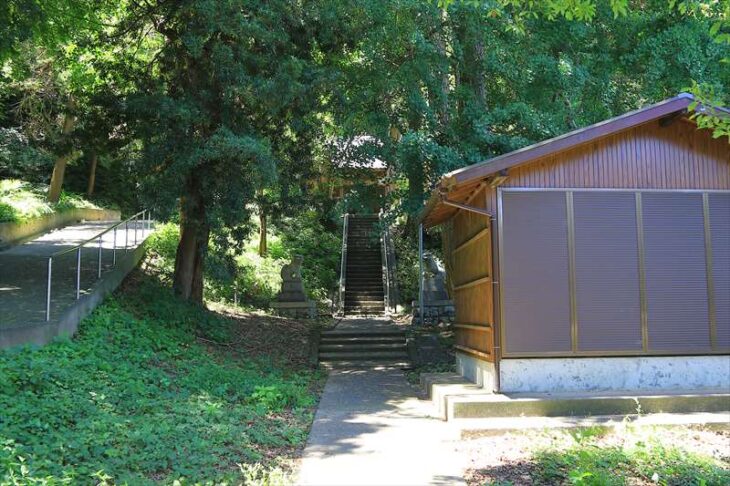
point(470, 265)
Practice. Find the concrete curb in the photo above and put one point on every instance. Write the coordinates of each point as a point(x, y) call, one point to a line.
point(67, 324)
point(15, 233)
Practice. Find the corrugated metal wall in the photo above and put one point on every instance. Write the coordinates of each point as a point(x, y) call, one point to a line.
point(591, 272)
point(645, 157)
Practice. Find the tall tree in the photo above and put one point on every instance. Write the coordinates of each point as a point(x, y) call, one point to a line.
point(231, 86)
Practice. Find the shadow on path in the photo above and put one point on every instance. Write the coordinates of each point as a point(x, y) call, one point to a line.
point(371, 429)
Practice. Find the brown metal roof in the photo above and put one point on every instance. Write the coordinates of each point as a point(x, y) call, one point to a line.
point(459, 184)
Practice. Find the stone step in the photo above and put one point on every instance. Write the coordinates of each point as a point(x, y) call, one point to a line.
point(395, 339)
point(370, 333)
point(368, 304)
point(357, 356)
point(358, 346)
point(364, 312)
point(364, 294)
point(368, 364)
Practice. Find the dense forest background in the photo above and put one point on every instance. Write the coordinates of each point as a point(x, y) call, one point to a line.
point(221, 115)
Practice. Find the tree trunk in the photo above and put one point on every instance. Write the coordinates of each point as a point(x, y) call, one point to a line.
point(92, 173)
point(193, 246)
point(263, 246)
point(59, 168)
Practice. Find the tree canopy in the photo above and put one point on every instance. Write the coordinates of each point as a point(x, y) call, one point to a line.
point(210, 110)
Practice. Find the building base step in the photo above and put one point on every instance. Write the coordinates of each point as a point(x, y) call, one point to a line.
point(456, 398)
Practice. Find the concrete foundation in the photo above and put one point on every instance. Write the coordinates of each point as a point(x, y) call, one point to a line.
point(477, 371)
point(645, 373)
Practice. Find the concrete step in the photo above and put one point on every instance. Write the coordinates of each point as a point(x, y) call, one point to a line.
point(364, 306)
point(455, 398)
point(480, 427)
point(370, 333)
point(364, 312)
point(367, 355)
point(363, 303)
point(368, 364)
point(399, 339)
point(360, 346)
point(365, 298)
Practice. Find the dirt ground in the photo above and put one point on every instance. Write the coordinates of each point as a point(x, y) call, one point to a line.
point(508, 459)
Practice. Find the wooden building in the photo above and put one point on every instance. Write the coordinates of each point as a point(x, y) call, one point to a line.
point(599, 259)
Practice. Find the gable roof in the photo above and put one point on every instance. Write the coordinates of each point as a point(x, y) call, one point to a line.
point(458, 184)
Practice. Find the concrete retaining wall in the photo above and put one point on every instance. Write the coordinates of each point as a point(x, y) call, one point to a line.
point(644, 373)
point(68, 322)
point(477, 371)
point(16, 233)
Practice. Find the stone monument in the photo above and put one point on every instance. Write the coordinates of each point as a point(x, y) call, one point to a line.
point(437, 306)
point(292, 300)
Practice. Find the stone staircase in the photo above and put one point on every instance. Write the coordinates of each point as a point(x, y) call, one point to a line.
point(363, 348)
point(364, 272)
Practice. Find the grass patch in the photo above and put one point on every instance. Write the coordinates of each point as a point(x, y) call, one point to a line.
point(22, 201)
point(141, 397)
point(598, 456)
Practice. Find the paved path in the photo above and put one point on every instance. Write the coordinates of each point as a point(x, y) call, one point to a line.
point(24, 270)
point(371, 429)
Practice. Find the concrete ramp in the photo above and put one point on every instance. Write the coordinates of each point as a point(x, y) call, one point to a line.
point(24, 278)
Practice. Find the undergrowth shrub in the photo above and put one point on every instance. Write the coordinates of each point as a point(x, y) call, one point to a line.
point(135, 398)
point(257, 279)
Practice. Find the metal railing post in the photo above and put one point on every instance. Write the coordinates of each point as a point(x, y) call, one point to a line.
point(98, 274)
point(48, 289)
point(420, 273)
point(78, 273)
point(114, 249)
point(136, 223)
point(126, 236)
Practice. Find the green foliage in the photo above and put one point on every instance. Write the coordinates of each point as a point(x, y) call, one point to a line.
point(136, 399)
point(305, 235)
point(21, 160)
point(588, 464)
point(257, 279)
point(22, 201)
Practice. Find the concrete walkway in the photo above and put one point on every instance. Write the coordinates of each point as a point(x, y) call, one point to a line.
point(24, 270)
point(371, 429)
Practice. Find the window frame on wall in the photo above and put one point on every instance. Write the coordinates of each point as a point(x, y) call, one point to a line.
point(573, 325)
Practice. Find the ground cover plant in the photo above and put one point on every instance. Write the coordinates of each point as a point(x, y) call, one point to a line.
point(151, 391)
point(23, 201)
point(597, 456)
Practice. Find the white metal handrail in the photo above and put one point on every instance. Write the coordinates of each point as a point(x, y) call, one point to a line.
point(343, 262)
point(135, 218)
point(385, 265)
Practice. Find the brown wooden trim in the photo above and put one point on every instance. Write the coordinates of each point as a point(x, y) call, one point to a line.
point(642, 274)
point(711, 310)
point(471, 240)
point(613, 354)
point(473, 327)
point(572, 287)
point(472, 283)
point(474, 352)
point(466, 207)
